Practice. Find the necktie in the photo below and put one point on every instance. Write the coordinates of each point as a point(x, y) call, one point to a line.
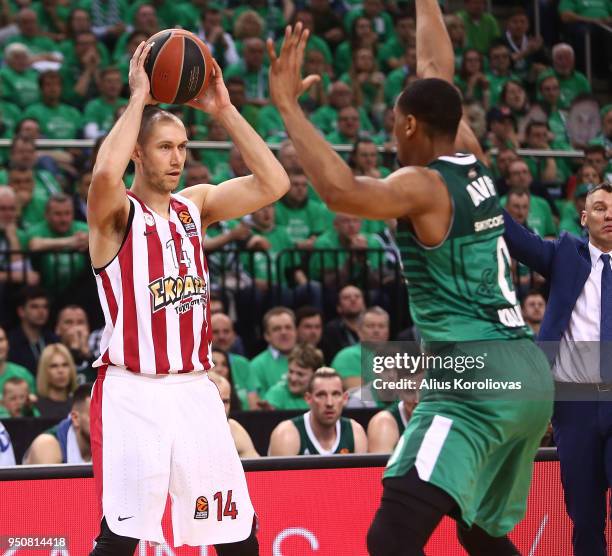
point(605, 327)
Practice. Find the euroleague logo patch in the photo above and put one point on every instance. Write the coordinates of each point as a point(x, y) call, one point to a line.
point(201, 508)
point(187, 222)
point(185, 217)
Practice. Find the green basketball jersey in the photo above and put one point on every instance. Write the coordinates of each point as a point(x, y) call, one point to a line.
point(397, 411)
point(309, 445)
point(462, 290)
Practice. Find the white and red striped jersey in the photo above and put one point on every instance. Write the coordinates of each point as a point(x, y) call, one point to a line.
point(155, 296)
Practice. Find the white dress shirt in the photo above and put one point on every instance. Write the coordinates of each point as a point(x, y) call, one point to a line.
point(578, 358)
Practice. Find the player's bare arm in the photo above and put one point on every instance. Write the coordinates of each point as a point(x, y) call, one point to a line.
point(383, 433)
point(45, 449)
point(435, 58)
point(402, 193)
point(242, 440)
point(107, 202)
point(284, 440)
point(361, 440)
point(238, 196)
point(411, 192)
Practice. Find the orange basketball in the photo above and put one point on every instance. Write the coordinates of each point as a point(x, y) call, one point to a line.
point(179, 66)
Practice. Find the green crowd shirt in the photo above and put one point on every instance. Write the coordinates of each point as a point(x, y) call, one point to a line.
point(331, 260)
point(10, 115)
point(480, 34)
point(243, 378)
point(37, 44)
point(102, 113)
point(394, 84)
point(496, 84)
point(56, 122)
point(256, 82)
point(279, 241)
point(572, 86)
point(269, 367)
point(599, 9)
point(540, 217)
point(325, 119)
point(280, 397)
point(300, 223)
point(58, 269)
point(20, 88)
point(347, 362)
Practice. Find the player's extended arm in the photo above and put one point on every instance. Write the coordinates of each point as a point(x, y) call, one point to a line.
point(436, 58)
point(403, 193)
point(238, 196)
point(435, 55)
point(361, 440)
point(107, 200)
point(285, 440)
point(383, 433)
point(45, 449)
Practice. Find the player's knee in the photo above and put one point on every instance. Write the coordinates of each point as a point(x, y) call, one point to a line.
point(247, 547)
point(111, 544)
point(378, 539)
point(385, 538)
point(479, 543)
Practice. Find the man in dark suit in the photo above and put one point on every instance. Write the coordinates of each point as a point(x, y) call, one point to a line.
point(577, 334)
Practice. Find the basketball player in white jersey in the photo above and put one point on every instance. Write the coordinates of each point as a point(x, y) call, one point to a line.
point(157, 422)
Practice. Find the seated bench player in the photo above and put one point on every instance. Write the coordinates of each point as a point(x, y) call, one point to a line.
point(322, 430)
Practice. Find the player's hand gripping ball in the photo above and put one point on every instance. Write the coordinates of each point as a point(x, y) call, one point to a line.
point(179, 66)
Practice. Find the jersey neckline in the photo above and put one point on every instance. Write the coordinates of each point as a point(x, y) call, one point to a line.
point(315, 441)
point(464, 159)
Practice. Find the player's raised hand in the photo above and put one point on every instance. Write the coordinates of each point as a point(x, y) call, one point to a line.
point(138, 78)
point(216, 97)
point(286, 83)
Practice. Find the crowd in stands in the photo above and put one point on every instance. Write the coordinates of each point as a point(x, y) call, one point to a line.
point(323, 282)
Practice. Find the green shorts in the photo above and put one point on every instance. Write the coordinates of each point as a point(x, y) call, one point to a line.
point(480, 449)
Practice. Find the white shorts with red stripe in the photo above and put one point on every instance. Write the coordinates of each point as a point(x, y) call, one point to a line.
point(157, 434)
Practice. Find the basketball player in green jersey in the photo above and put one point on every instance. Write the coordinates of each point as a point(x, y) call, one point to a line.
point(464, 454)
point(322, 430)
point(387, 426)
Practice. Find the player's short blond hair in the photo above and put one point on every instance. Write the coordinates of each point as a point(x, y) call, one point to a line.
point(322, 373)
point(152, 115)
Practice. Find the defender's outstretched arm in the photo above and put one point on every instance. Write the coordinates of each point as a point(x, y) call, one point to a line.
point(436, 58)
point(238, 196)
point(404, 193)
point(435, 55)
